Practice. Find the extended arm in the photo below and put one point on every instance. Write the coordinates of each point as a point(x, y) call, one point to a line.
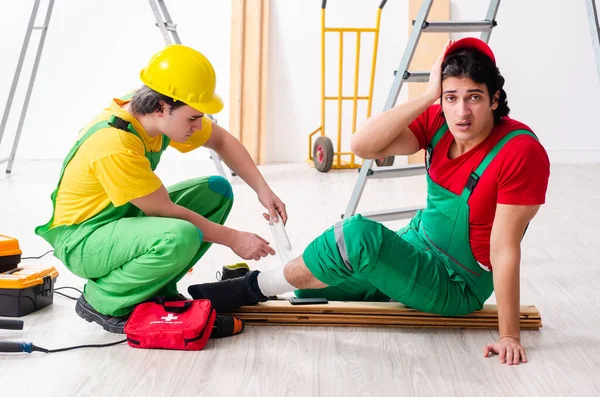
point(505, 254)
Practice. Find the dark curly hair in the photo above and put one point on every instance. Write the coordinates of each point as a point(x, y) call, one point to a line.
point(481, 69)
point(145, 100)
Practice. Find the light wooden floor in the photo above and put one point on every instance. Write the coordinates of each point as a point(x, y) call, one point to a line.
point(560, 275)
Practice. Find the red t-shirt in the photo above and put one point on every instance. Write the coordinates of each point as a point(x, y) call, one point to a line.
point(517, 175)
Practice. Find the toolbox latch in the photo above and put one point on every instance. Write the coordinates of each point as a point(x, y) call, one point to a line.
point(47, 286)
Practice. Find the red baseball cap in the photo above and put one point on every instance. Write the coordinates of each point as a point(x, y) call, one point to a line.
point(474, 43)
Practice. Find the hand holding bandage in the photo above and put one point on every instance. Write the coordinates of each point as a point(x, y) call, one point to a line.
point(282, 241)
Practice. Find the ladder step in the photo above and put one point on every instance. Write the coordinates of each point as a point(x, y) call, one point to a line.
point(457, 26)
point(394, 214)
point(170, 26)
point(415, 77)
point(40, 27)
point(398, 172)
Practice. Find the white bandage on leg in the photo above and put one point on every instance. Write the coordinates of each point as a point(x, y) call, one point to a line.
point(282, 241)
point(272, 282)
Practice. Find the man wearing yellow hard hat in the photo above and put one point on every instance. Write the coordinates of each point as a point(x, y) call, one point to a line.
point(115, 224)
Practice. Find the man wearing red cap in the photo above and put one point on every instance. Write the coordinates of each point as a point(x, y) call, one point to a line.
point(487, 176)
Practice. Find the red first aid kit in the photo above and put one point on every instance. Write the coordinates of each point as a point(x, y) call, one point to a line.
point(182, 325)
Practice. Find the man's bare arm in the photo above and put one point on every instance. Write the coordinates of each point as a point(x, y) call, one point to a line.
point(509, 225)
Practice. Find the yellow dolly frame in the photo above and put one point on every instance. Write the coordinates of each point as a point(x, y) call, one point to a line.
point(322, 153)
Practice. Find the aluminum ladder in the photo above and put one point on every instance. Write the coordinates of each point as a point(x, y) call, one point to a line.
point(30, 28)
point(402, 74)
point(166, 26)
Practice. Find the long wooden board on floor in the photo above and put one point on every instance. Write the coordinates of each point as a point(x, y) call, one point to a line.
point(375, 314)
point(363, 325)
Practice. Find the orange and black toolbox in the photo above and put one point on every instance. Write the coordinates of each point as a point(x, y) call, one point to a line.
point(25, 288)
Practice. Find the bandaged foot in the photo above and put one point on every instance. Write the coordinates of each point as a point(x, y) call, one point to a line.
point(228, 295)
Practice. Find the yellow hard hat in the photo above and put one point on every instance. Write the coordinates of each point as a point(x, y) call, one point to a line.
point(184, 74)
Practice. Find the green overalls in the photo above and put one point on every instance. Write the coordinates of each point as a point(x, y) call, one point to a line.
point(128, 257)
point(427, 265)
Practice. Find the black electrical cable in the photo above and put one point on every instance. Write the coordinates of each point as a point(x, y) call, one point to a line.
point(28, 347)
point(37, 257)
point(64, 349)
point(65, 295)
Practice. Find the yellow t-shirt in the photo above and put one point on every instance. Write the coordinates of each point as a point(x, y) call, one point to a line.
point(110, 167)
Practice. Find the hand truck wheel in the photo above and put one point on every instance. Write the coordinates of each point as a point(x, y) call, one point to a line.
point(323, 154)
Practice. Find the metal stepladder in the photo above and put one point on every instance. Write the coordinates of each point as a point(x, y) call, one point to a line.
point(166, 26)
point(30, 27)
point(420, 25)
point(168, 29)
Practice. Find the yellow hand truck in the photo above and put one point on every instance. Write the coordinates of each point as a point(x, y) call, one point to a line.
point(321, 153)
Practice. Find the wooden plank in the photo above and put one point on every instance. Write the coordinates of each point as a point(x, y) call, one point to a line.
point(316, 318)
point(375, 314)
point(428, 49)
point(251, 79)
point(236, 67)
point(339, 307)
point(249, 71)
point(264, 68)
point(363, 325)
point(375, 318)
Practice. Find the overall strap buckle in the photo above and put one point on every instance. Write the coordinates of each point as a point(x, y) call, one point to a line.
point(119, 123)
point(472, 182)
point(428, 155)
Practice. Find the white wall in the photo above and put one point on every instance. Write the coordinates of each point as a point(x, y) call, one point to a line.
point(95, 49)
point(551, 76)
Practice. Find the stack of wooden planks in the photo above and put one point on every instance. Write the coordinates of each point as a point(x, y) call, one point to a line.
point(374, 314)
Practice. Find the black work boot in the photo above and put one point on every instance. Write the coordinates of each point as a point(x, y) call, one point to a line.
point(228, 295)
point(177, 298)
point(233, 271)
point(112, 324)
point(226, 326)
point(172, 298)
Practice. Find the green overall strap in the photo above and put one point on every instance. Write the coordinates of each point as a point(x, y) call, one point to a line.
point(475, 175)
point(166, 141)
point(124, 125)
point(98, 126)
point(434, 141)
